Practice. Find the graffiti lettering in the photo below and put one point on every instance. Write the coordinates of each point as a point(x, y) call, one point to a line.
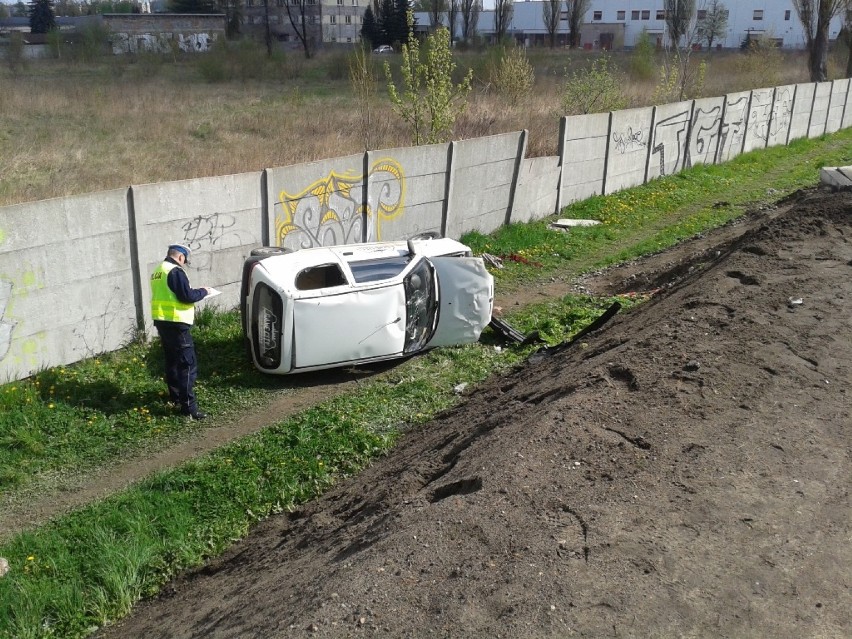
point(782, 113)
point(705, 131)
point(671, 130)
point(209, 231)
point(629, 140)
point(733, 126)
point(330, 211)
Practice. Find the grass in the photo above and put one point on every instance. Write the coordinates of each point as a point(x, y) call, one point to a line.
point(87, 568)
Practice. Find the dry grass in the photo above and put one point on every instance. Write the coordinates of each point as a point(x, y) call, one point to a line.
point(68, 128)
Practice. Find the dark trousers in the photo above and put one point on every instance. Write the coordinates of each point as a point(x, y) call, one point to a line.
point(181, 364)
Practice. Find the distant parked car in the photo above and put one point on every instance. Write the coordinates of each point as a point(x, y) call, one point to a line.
point(336, 306)
point(385, 48)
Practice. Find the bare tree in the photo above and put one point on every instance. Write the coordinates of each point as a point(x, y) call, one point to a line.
point(502, 16)
point(550, 10)
point(714, 23)
point(576, 10)
point(470, 10)
point(816, 16)
point(453, 18)
point(679, 15)
point(297, 12)
point(437, 8)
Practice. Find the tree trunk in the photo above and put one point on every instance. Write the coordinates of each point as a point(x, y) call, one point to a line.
point(818, 58)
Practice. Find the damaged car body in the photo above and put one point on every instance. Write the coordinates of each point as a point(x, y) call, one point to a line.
point(334, 306)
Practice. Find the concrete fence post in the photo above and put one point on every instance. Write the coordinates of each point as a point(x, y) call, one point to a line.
point(265, 214)
point(563, 124)
point(135, 266)
point(650, 150)
point(792, 111)
point(522, 152)
point(448, 192)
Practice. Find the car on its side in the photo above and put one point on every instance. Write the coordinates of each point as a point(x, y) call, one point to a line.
point(385, 48)
point(351, 304)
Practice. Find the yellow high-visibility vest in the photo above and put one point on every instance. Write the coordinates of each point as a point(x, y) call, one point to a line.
point(164, 303)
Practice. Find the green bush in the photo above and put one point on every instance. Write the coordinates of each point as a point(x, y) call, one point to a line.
point(642, 57)
point(514, 76)
point(596, 89)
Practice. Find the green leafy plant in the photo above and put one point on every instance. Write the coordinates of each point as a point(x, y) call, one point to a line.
point(430, 102)
point(514, 76)
point(596, 89)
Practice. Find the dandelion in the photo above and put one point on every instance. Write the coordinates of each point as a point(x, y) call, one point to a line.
point(31, 558)
point(50, 405)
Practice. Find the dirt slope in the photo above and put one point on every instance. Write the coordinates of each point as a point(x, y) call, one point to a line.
point(684, 471)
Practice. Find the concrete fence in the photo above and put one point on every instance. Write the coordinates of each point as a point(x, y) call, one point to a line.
point(74, 271)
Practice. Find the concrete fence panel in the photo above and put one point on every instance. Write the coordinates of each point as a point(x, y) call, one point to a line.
point(801, 117)
point(407, 190)
point(538, 189)
point(629, 144)
point(782, 114)
point(584, 151)
point(819, 110)
point(66, 283)
point(847, 111)
point(704, 131)
point(669, 139)
point(318, 203)
point(219, 218)
point(759, 119)
point(836, 105)
point(482, 183)
point(734, 123)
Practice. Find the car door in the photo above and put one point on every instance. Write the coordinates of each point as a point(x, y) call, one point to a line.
point(466, 294)
point(349, 326)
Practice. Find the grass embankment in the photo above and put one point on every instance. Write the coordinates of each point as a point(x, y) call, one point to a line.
point(89, 567)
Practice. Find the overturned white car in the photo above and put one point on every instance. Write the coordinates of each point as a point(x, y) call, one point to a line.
point(342, 305)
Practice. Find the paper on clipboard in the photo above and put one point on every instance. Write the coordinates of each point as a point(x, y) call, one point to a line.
point(212, 292)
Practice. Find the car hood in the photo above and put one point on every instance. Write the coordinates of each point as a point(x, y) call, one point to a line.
point(466, 290)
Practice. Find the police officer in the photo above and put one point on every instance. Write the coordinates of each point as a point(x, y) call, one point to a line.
point(173, 310)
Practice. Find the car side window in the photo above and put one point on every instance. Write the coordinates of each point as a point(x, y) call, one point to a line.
point(323, 276)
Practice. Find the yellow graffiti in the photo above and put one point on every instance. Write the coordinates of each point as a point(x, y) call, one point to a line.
point(330, 210)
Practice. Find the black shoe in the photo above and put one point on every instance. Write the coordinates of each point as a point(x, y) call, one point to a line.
point(199, 414)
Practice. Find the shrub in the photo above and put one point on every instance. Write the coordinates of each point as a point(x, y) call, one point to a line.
point(596, 89)
point(642, 57)
point(514, 76)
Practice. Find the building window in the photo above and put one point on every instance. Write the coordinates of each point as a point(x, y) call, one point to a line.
point(332, 19)
point(354, 3)
point(619, 15)
point(348, 19)
point(339, 2)
point(702, 14)
point(758, 14)
point(597, 15)
point(634, 15)
point(787, 14)
point(646, 14)
point(349, 39)
point(661, 14)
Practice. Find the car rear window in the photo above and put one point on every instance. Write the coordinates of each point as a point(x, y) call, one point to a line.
point(380, 269)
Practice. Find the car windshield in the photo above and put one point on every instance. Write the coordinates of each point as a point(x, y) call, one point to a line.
point(380, 269)
point(421, 306)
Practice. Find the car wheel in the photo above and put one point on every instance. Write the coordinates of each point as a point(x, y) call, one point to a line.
point(427, 235)
point(266, 251)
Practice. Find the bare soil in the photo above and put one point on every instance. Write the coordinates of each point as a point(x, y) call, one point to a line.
point(684, 471)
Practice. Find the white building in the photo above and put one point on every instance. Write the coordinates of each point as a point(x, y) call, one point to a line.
point(618, 23)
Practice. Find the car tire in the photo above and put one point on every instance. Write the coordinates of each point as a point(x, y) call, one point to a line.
point(266, 251)
point(427, 235)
